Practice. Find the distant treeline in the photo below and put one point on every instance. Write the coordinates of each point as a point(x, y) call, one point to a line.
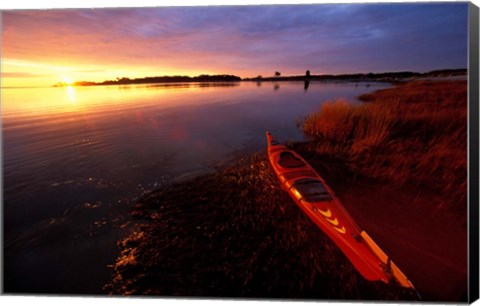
point(358, 77)
point(385, 76)
point(163, 79)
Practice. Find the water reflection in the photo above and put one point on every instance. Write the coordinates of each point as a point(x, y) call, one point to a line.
point(71, 93)
point(219, 84)
point(60, 134)
point(193, 85)
point(306, 84)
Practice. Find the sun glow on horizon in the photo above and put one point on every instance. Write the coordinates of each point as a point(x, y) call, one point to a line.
point(26, 73)
point(67, 80)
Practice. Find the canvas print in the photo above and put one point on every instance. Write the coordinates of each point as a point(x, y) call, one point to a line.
point(310, 152)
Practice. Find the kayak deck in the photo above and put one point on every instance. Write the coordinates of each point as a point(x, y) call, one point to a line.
point(312, 194)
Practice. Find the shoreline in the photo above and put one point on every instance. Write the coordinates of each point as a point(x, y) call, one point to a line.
point(233, 234)
point(224, 243)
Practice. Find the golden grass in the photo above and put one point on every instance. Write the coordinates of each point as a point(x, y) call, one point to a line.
point(415, 133)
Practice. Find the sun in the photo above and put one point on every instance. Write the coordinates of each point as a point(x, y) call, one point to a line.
point(67, 80)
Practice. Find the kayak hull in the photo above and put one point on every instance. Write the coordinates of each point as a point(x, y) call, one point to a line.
point(318, 201)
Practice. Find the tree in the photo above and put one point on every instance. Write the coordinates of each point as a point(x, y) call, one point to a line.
point(277, 73)
point(307, 74)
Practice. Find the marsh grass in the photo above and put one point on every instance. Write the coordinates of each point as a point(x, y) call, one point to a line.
point(415, 133)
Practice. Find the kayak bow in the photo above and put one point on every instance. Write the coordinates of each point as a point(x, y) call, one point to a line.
point(319, 202)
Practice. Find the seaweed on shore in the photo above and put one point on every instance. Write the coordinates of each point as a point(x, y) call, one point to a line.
point(235, 233)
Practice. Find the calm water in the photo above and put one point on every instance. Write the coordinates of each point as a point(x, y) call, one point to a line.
point(74, 158)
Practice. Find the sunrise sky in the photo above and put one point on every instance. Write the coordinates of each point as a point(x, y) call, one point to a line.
point(43, 47)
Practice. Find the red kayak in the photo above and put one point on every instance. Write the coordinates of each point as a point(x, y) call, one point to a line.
point(319, 202)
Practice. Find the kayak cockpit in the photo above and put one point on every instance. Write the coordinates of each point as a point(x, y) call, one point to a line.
point(288, 160)
point(310, 190)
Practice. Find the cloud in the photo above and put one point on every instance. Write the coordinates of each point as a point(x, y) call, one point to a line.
point(22, 75)
point(330, 38)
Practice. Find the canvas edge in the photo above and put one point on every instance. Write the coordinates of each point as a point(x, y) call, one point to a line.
point(473, 190)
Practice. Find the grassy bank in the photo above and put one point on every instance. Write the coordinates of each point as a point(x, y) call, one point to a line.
point(415, 133)
point(235, 233)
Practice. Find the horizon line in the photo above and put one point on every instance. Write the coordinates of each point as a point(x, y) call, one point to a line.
point(60, 84)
